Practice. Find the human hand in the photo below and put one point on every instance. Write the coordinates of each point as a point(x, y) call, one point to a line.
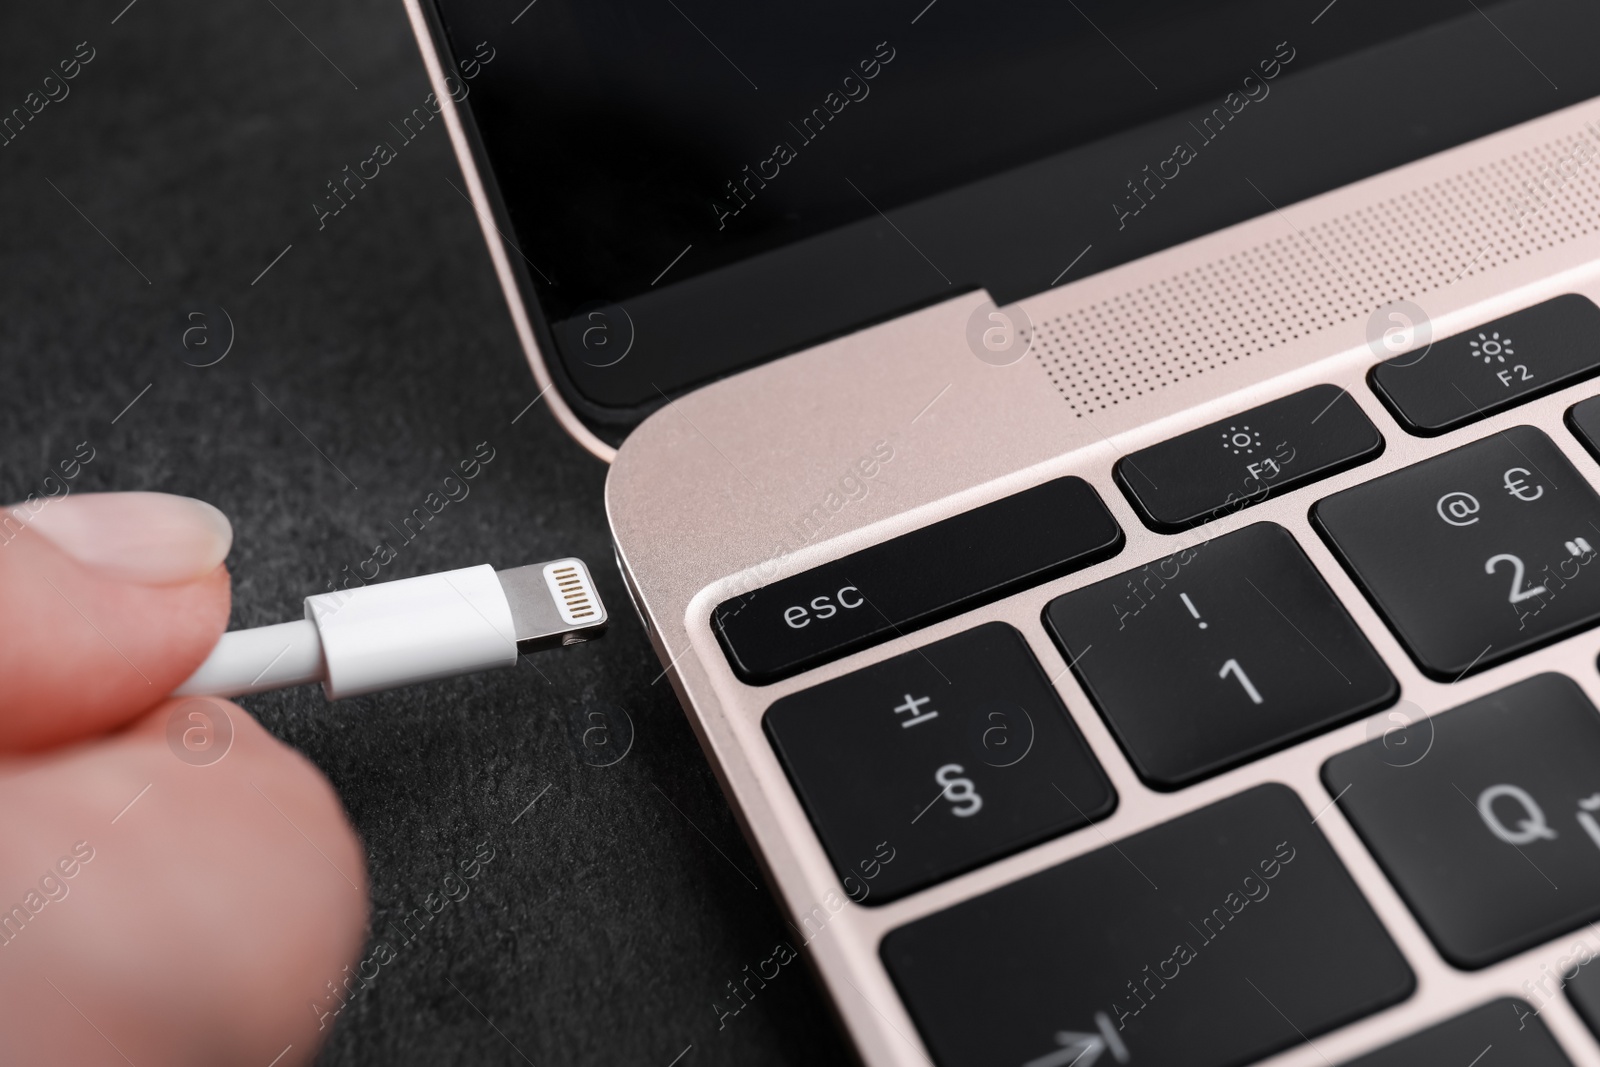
point(153, 909)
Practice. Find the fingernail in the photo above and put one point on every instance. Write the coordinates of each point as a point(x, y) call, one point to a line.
point(148, 538)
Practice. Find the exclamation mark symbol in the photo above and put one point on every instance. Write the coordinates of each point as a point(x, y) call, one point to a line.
point(1193, 610)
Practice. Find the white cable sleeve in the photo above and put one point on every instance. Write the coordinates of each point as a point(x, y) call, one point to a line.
point(377, 637)
point(254, 661)
point(413, 630)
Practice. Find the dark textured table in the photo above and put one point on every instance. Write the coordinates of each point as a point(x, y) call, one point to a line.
point(171, 189)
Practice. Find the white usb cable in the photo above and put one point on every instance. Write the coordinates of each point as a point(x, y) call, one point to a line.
point(377, 637)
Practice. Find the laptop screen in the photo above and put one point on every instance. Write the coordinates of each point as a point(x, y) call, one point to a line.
point(693, 186)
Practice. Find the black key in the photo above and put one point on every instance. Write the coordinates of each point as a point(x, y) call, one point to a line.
point(1486, 818)
point(1491, 1036)
point(1477, 555)
point(941, 759)
point(914, 580)
point(1500, 364)
point(1209, 941)
point(1236, 462)
point(1584, 418)
point(1579, 973)
point(1218, 654)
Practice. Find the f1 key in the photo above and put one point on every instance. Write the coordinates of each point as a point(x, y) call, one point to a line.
point(1236, 462)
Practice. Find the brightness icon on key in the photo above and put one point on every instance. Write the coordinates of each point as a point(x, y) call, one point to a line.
point(1241, 438)
point(1490, 347)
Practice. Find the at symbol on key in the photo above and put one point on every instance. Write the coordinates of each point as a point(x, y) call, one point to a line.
point(1458, 508)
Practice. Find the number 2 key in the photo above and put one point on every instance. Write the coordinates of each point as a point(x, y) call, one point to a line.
point(1475, 556)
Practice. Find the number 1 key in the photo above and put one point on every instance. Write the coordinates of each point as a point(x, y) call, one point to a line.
point(1218, 654)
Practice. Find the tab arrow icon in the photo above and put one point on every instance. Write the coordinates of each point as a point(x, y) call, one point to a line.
point(1084, 1050)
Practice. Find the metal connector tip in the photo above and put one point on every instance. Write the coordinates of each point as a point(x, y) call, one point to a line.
point(553, 604)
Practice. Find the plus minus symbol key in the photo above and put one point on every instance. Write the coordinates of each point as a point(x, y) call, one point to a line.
point(913, 706)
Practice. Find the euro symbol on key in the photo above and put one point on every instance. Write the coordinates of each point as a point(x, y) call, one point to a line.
point(1518, 488)
point(1458, 508)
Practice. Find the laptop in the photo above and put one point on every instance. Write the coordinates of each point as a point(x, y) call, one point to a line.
point(1113, 486)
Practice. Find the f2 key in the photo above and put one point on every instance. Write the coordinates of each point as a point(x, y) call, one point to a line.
point(1460, 379)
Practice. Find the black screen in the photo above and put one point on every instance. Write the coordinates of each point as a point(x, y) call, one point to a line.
point(703, 184)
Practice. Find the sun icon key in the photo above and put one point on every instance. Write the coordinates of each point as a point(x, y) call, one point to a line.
point(1438, 390)
point(1490, 346)
point(1241, 439)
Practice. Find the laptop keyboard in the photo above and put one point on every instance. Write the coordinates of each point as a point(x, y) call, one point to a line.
point(1231, 932)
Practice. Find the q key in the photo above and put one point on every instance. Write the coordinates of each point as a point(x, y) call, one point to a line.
point(1490, 836)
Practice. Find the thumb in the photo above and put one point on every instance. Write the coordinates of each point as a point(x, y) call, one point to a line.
point(108, 601)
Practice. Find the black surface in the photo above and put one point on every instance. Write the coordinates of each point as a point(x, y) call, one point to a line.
point(1583, 418)
point(915, 579)
point(196, 141)
point(881, 755)
point(1484, 890)
point(1493, 1035)
point(1273, 926)
point(1477, 555)
point(1461, 379)
point(1240, 461)
point(1218, 654)
point(1579, 976)
point(635, 118)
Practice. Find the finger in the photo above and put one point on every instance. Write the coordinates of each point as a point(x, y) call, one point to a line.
point(108, 601)
point(159, 908)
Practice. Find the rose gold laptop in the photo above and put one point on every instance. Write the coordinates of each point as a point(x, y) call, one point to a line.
point(1113, 487)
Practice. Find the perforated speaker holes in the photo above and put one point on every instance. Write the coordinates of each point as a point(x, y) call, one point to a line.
point(1137, 342)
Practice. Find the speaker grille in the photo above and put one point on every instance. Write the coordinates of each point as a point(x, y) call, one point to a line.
point(1135, 343)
